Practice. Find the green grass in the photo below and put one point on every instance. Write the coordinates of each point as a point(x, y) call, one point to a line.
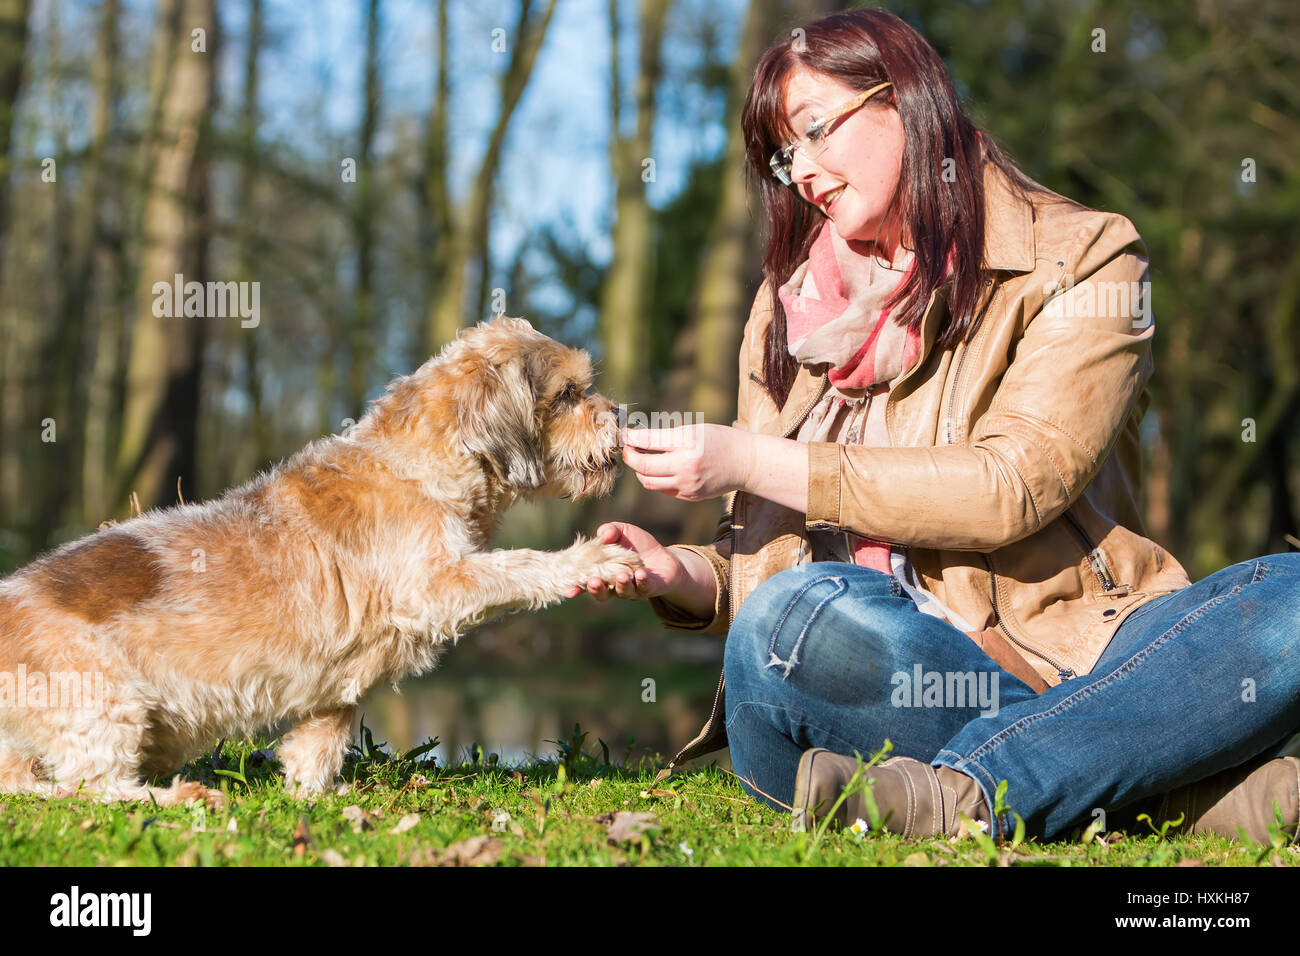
point(403, 809)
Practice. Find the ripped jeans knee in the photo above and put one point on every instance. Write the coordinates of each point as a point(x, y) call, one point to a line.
point(841, 604)
point(798, 618)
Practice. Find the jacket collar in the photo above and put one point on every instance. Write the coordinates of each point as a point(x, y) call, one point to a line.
point(1008, 225)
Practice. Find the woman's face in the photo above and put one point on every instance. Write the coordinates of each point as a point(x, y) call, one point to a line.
point(852, 180)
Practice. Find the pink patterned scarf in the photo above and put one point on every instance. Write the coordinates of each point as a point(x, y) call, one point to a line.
point(866, 352)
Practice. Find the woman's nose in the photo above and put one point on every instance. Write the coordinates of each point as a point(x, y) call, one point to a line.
point(802, 169)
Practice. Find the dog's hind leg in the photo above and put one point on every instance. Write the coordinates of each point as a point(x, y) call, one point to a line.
point(103, 760)
point(312, 753)
point(18, 773)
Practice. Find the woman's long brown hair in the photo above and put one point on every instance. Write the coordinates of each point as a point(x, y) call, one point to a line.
point(862, 48)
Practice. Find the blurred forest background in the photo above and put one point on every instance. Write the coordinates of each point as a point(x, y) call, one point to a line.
point(388, 171)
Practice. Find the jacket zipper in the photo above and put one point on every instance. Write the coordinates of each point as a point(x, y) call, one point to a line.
point(1097, 561)
point(731, 578)
point(952, 394)
point(1065, 673)
point(808, 408)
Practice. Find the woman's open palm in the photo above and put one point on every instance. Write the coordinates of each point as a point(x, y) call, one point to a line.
point(661, 572)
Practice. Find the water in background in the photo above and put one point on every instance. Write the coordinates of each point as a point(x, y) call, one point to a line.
point(512, 685)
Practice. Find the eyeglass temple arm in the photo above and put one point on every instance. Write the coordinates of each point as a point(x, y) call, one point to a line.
point(852, 104)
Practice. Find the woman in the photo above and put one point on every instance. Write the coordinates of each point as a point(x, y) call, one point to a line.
point(931, 532)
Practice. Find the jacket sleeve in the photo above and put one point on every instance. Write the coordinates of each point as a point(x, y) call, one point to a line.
point(1078, 370)
point(718, 553)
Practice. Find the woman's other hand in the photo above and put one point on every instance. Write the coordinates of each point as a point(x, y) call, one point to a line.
point(663, 570)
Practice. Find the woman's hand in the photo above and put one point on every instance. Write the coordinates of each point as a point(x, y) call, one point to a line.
point(662, 571)
point(693, 462)
point(708, 461)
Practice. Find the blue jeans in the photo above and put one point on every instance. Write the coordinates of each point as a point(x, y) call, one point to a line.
point(837, 656)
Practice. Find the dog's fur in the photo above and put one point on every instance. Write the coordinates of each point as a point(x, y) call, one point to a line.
point(354, 562)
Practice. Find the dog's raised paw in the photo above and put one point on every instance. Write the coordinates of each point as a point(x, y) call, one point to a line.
point(593, 559)
point(616, 560)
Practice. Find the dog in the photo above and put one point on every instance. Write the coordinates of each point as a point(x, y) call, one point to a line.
point(356, 561)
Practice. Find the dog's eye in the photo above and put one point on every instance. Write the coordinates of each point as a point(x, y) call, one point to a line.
point(571, 393)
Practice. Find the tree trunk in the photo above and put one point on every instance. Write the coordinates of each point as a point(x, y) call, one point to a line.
point(13, 56)
point(361, 349)
point(247, 229)
point(104, 267)
point(469, 246)
point(434, 200)
point(627, 283)
point(161, 413)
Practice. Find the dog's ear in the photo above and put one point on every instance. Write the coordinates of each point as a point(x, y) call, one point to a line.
point(495, 415)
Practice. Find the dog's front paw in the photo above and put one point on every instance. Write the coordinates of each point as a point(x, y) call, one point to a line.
point(604, 561)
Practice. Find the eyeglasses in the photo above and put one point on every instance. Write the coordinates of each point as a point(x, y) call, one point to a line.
point(814, 141)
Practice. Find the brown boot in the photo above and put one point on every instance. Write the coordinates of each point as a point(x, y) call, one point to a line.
point(1240, 796)
point(913, 798)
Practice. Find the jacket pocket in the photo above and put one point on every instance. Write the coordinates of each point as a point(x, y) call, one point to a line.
point(1039, 586)
point(1134, 564)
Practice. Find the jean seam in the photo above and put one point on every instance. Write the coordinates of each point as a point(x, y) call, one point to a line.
point(773, 659)
point(799, 718)
point(1114, 676)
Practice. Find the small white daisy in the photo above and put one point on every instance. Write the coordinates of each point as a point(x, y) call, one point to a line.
point(685, 849)
point(500, 821)
point(860, 827)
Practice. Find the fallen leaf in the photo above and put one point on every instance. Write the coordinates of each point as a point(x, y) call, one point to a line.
point(1191, 862)
point(360, 819)
point(626, 825)
point(407, 822)
point(301, 837)
point(917, 859)
point(476, 851)
point(333, 858)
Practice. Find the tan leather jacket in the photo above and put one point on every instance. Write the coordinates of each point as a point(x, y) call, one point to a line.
point(1013, 466)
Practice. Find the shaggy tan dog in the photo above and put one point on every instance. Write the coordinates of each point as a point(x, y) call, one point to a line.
point(355, 562)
